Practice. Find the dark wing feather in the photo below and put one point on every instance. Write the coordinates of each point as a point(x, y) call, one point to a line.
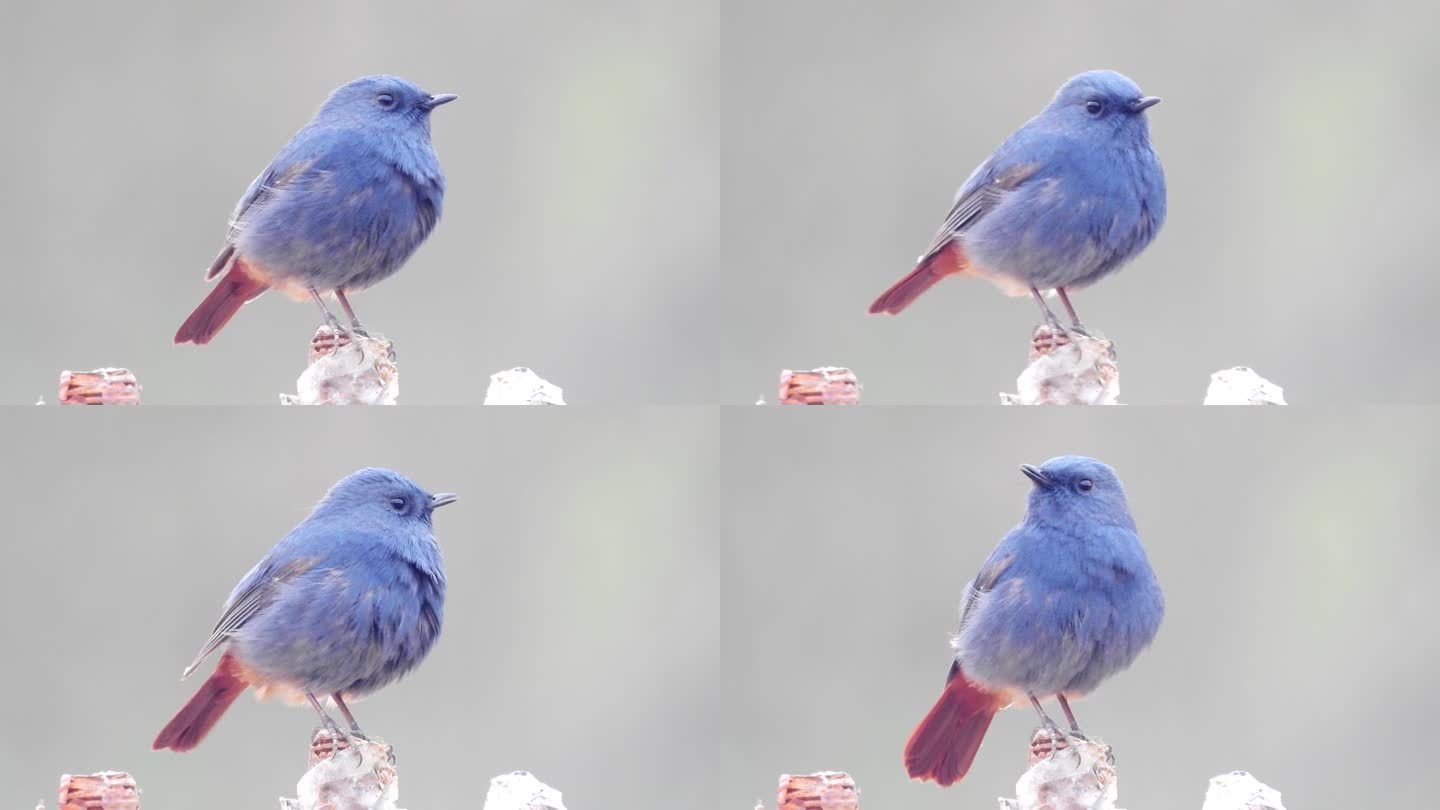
point(978, 201)
point(245, 603)
point(983, 583)
point(279, 174)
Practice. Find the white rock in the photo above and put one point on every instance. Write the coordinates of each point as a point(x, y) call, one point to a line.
point(359, 373)
point(1242, 386)
point(521, 791)
point(1077, 778)
point(1241, 791)
point(521, 386)
point(347, 781)
point(1082, 371)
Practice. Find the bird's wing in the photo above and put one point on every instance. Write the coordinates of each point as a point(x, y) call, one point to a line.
point(255, 592)
point(293, 161)
point(983, 583)
point(978, 197)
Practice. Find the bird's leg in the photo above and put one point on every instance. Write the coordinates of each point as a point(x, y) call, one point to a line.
point(330, 319)
point(1050, 728)
point(1079, 327)
point(335, 733)
point(325, 718)
point(354, 726)
point(350, 718)
point(350, 313)
point(1075, 727)
point(1050, 319)
point(1070, 717)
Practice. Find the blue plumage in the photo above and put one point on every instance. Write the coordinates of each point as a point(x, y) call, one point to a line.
point(1066, 200)
point(1069, 597)
point(1066, 600)
point(349, 601)
point(1096, 197)
point(340, 208)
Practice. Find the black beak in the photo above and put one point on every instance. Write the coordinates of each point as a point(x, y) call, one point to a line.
point(1142, 104)
point(1037, 475)
point(437, 501)
point(445, 98)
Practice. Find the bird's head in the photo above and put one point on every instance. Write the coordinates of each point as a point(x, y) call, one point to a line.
point(1077, 488)
point(387, 102)
point(383, 497)
point(1102, 100)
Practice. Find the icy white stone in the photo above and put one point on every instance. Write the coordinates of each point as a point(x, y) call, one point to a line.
point(1081, 372)
point(360, 778)
point(1242, 386)
point(1239, 790)
point(521, 791)
point(1080, 777)
point(361, 372)
point(521, 386)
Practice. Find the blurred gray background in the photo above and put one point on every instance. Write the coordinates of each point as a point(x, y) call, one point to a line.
point(581, 621)
point(1297, 140)
point(1296, 550)
point(580, 224)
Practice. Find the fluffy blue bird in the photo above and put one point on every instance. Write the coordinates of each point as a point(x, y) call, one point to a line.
point(342, 206)
point(347, 602)
point(1066, 600)
point(1068, 199)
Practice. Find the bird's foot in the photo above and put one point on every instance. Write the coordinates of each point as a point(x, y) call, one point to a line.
point(1076, 734)
point(1055, 735)
point(341, 740)
point(1058, 741)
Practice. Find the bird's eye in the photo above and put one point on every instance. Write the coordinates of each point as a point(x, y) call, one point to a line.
point(1094, 106)
point(386, 101)
point(1084, 485)
point(398, 504)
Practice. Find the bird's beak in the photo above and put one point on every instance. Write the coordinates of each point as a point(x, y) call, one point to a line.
point(1037, 475)
point(445, 98)
point(437, 501)
point(1141, 104)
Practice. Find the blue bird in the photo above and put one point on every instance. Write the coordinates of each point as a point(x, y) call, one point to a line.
point(1068, 199)
point(1066, 600)
point(346, 603)
point(342, 206)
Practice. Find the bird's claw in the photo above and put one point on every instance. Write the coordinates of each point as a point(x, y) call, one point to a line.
point(1059, 741)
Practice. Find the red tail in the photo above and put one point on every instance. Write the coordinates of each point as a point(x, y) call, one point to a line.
point(944, 744)
point(195, 719)
point(234, 290)
point(947, 261)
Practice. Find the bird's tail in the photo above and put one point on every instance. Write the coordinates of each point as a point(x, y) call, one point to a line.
point(944, 744)
point(947, 261)
point(200, 714)
point(237, 288)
